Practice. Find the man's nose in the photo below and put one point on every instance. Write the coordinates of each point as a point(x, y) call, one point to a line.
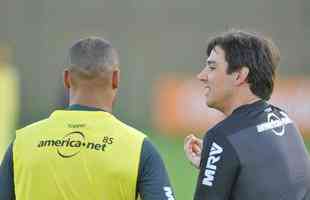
point(202, 76)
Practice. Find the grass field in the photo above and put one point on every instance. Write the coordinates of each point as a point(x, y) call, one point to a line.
point(182, 174)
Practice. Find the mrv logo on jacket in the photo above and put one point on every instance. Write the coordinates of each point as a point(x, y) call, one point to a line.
point(214, 157)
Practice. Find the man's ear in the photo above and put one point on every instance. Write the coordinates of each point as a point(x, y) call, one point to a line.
point(241, 76)
point(115, 78)
point(66, 79)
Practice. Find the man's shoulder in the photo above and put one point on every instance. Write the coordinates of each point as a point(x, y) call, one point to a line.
point(32, 125)
point(129, 129)
point(25, 133)
point(226, 127)
point(233, 125)
point(276, 108)
point(250, 118)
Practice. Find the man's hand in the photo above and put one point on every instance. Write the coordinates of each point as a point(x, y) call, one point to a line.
point(193, 149)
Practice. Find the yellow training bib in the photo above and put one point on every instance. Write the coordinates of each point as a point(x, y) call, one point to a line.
point(77, 155)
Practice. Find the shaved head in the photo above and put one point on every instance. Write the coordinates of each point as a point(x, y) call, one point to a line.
point(92, 77)
point(91, 57)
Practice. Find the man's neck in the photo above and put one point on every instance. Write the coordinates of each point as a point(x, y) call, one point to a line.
point(82, 107)
point(99, 102)
point(92, 105)
point(237, 102)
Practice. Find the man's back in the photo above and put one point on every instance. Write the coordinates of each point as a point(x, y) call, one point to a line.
point(274, 161)
point(85, 154)
point(77, 155)
point(263, 157)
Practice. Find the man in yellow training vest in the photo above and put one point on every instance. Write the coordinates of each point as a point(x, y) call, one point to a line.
point(84, 152)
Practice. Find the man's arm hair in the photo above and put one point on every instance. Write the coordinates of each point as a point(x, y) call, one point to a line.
point(7, 191)
point(153, 181)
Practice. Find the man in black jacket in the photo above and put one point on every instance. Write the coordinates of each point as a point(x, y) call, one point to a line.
point(256, 152)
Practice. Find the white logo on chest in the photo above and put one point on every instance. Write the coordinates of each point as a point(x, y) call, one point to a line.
point(275, 123)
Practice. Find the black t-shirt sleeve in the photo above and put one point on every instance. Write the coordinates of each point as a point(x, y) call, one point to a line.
point(7, 176)
point(218, 169)
point(153, 181)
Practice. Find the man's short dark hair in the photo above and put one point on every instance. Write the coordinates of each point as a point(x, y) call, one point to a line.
point(245, 49)
point(91, 55)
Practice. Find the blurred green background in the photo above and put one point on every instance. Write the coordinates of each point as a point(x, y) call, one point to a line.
point(154, 37)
